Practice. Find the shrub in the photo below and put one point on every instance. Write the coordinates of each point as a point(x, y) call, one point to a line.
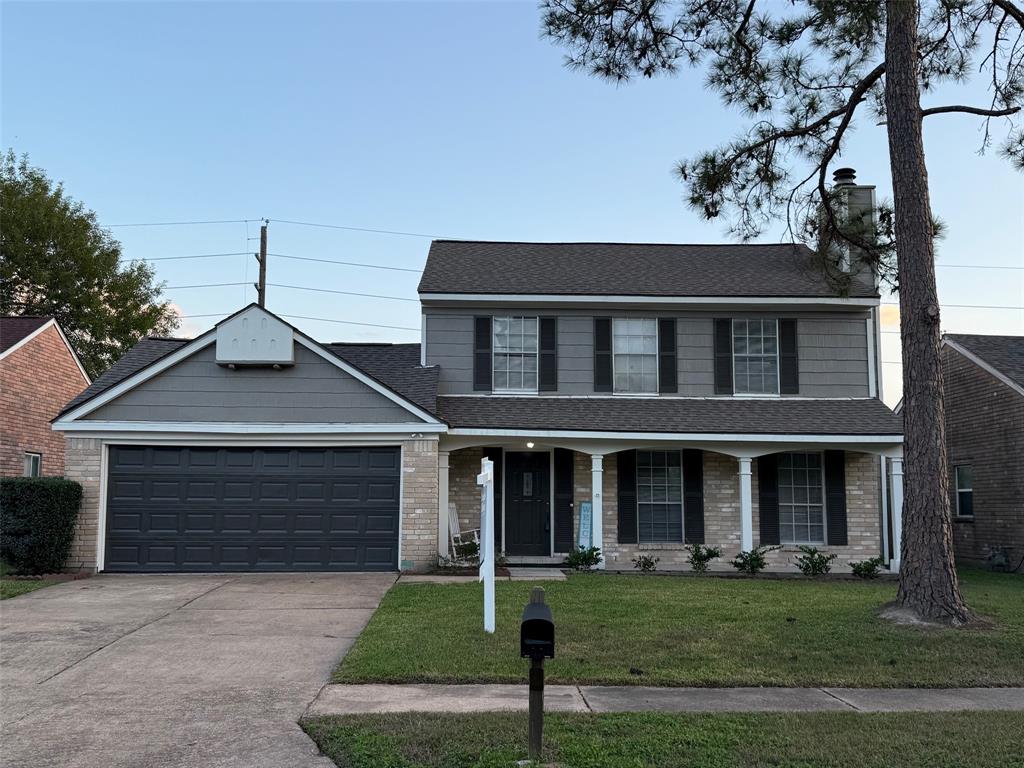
point(811, 562)
point(37, 522)
point(583, 558)
point(700, 556)
point(867, 569)
point(752, 561)
point(468, 553)
point(646, 563)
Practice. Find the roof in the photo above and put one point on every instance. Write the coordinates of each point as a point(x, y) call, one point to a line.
point(14, 329)
point(767, 416)
point(627, 269)
point(396, 366)
point(1003, 353)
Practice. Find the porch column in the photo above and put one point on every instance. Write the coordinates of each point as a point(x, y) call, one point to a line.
point(597, 503)
point(883, 487)
point(897, 513)
point(442, 503)
point(746, 506)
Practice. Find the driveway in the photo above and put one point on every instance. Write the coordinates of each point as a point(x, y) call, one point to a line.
point(182, 670)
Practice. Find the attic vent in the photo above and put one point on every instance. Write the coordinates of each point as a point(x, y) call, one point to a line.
point(255, 338)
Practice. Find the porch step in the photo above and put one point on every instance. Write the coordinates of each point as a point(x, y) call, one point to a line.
point(535, 574)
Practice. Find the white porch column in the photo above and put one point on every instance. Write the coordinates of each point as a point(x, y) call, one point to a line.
point(442, 503)
point(597, 503)
point(897, 513)
point(883, 487)
point(746, 506)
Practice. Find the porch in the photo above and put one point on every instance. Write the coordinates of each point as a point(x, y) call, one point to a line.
point(654, 497)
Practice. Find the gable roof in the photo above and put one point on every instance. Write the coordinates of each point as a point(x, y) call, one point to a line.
point(14, 329)
point(627, 269)
point(1002, 356)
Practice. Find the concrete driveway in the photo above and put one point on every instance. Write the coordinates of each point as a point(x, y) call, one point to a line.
point(182, 670)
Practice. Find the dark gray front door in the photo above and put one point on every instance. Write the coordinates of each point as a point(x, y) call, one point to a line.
point(252, 509)
point(528, 503)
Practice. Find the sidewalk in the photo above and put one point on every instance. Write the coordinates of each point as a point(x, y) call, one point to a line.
point(372, 699)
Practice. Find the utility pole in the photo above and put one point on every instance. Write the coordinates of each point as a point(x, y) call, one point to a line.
point(261, 257)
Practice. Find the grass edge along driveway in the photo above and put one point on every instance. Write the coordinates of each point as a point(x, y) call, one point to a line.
point(683, 631)
point(648, 740)
point(13, 587)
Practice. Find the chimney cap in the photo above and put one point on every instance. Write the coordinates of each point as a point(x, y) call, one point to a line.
point(844, 177)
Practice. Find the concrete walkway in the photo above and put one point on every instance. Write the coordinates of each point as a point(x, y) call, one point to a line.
point(372, 699)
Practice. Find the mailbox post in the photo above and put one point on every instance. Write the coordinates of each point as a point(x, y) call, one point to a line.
point(537, 642)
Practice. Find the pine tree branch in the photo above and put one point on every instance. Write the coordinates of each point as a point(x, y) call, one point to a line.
point(968, 110)
point(1011, 10)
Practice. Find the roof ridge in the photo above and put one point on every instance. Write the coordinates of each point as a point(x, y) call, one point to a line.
point(617, 242)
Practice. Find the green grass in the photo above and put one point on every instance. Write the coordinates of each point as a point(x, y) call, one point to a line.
point(819, 740)
point(638, 630)
point(14, 587)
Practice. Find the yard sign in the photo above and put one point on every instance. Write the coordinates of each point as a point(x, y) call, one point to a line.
point(486, 482)
point(586, 524)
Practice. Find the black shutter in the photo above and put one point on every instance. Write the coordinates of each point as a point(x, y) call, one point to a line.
point(723, 356)
point(482, 354)
point(768, 498)
point(602, 354)
point(789, 364)
point(496, 455)
point(548, 334)
point(693, 495)
point(563, 500)
point(667, 344)
point(835, 496)
point(627, 496)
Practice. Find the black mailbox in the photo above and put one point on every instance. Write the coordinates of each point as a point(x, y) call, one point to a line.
point(537, 632)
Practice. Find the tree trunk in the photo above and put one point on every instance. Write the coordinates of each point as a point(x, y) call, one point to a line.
point(928, 581)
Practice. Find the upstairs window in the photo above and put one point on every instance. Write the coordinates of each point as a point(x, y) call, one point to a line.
point(801, 499)
point(755, 349)
point(33, 464)
point(964, 490)
point(515, 354)
point(635, 354)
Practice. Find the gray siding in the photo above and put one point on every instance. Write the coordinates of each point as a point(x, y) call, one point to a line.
point(832, 349)
point(197, 389)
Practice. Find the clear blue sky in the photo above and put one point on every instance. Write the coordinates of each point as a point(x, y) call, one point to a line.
point(448, 119)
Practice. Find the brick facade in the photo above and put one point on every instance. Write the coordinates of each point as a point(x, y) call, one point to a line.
point(985, 429)
point(419, 502)
point(36, 381)
point(721, 511)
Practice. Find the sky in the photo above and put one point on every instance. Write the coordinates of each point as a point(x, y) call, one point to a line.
point(429, 118)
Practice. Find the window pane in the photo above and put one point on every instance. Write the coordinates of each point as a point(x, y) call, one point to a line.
point(635, 354)
point(964, 477)
point(965, 503)
point(659, 496)
point(801, 514)
point(755, 357)
point(515, 353)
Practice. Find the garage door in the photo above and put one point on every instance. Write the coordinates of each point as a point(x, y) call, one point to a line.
point(252, 509)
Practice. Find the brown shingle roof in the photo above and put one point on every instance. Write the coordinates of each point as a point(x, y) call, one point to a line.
point(1004, 353)
point(14, 329)
point(626, 269)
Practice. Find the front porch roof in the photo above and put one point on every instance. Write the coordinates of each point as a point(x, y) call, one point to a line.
point(677, 415)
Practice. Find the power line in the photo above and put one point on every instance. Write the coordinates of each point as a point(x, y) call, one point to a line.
point(960, 306)
point(352, 322)
point(344, 293)
point(364, 229)
point(178, 223)
point(975, 266)
point(345, 263)
point(195, 256)
point(202, 285)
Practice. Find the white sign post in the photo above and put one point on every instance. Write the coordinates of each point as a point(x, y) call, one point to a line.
point(486, 482)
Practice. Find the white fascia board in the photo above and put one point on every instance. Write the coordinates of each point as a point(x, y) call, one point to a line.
point(240, 428)
point(541, 298)
point(985, 366)
point(52, 322)
point(678, 436)
point(139, 377)
point(373, 384)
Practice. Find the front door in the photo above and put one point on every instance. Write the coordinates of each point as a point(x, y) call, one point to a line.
point(528, 503)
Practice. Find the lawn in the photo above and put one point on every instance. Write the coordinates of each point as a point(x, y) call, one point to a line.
point(644, 630)
point(819, 740)
point(14, 587)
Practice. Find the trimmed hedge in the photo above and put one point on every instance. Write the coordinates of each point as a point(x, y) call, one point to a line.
point(37, 522)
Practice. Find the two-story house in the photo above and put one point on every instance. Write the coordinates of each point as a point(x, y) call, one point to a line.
point(649, 395)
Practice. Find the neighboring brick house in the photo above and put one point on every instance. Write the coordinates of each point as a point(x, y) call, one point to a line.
point(983, 378)
point(39, 374)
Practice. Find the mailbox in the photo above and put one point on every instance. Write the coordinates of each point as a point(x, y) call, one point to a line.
point(537, 632)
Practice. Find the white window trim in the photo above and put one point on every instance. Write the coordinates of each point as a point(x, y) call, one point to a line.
point(959, 490)
point(778, 373)
point(39, 463)
point(682, 500)
point(657, 360)
point(536, 354)
point(824, 508)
